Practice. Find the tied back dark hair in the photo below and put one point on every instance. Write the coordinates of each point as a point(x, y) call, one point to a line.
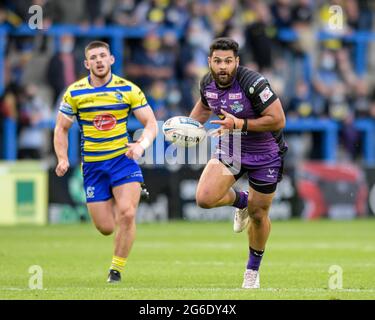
point(224, 44)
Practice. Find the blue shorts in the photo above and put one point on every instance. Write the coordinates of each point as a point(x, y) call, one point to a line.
point(101, 176)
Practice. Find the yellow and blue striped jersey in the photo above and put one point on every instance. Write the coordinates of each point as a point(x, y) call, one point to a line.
point(102, 114)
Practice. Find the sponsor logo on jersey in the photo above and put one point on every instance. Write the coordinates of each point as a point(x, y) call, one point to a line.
point(135, 174)
point(235, 96)
point(85, 101)
point(104, 122)
point(212, 95)
point(257, 81)
point(119, 81)
point(79, 85)
point(265, 94)
point(236, 107)
point(66, 107)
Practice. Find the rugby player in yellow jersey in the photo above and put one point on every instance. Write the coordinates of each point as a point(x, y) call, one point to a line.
point(101, 104)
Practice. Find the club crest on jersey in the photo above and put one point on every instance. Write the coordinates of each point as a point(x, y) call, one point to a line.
point(90, 192)
point(119, 95)
point(104, 122)
point(212, 95)
point(236, 107)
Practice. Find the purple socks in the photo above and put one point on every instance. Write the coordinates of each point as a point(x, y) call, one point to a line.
point(241, 199)
point(255, 257)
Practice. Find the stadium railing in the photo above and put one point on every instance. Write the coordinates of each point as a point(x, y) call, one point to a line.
point(328, 128)
point(116, 35)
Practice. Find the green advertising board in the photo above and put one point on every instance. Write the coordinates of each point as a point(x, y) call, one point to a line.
point(23, 193)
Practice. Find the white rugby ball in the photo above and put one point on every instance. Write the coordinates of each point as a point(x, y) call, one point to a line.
point(183, 131)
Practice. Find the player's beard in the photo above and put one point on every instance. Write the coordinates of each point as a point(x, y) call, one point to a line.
point(228, 79)
point(102, 75)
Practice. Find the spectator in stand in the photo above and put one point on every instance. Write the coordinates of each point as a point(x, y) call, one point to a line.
point(300, 106)
point(152, 13)
point(282, 13)
point(150, 63)
point(358, 15)
point(124, 13)
point(63, 66)
point(331, 100)
point(224, 15)
point(165, 101)
point(259, 37)
point(94, 12)
point(157, 98)
point(185, 73)
point(68, 11)
point(174, 103)
point(8, 110)
point(372, 104)
point(177, 14)
point(325, 82)
point(198, 33)
point(357, 19)
point(33, 140)
point(357, 87)
point(360, 99)
point(302, 24)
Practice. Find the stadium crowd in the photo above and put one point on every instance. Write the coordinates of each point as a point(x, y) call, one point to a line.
point(168, 67)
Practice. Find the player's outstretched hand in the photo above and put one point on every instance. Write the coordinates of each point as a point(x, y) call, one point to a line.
point(230, 122)
point(135, 151)
point(62, 167)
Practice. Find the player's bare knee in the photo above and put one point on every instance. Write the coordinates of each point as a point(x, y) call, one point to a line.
point(204, 199)
point(106, 229)
point(204, 202)
point(258, 215)
point(126, 215)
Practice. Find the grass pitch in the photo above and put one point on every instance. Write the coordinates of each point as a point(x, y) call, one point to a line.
point(185, 260)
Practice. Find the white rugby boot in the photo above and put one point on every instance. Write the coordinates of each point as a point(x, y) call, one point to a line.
point(241, 220)
point(251, 279)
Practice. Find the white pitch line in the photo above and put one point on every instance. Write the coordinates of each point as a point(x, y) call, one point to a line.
point(269, 264)
point(281, 290)
point(288, 246)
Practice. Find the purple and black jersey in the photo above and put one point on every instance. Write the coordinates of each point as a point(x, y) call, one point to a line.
point(248, 96)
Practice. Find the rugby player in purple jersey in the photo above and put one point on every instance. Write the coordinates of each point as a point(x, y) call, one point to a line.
point(251, 113)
